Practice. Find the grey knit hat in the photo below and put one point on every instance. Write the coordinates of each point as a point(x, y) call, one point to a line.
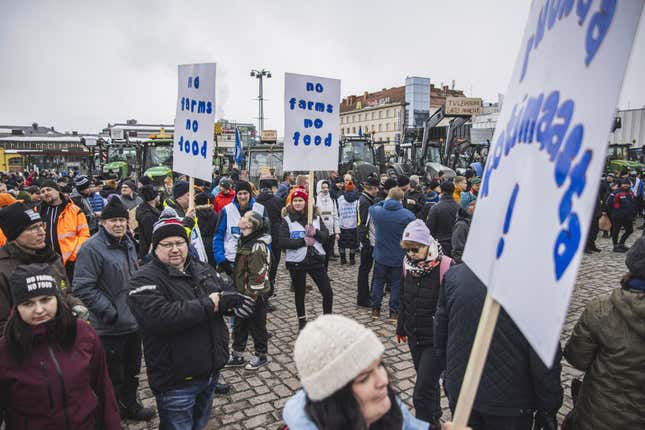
point(331, 351)
point(418, 232)
point(635, 259)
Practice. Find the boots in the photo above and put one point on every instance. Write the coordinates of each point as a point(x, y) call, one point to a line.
point(130, 408)
point(343, 257)
point(352, 258)
point(302, 322)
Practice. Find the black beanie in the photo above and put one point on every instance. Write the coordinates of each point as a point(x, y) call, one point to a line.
point(635, 259)
point(114, 209)
point(402, 181)
point(50, 184)
point(130, 184)
point(33, 280)
point(81, 183)
point(145, 180)
point(179, 189)
point(243, 186)
point(389, 184)
point(16, 218)
point(168, 225)
point(148, 193)
point(447, 187)
point(202, 199)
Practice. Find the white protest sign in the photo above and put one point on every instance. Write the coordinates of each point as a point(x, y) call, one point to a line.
point(193, 138)
point(312, 122)
point(541, 179)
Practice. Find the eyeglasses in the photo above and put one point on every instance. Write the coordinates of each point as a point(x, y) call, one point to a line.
point(412, 250)
point(169, 245)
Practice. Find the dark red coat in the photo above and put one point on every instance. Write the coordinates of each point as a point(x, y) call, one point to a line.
point(56, 389)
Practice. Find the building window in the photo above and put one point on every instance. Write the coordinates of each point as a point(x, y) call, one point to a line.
point(380, 114)
point(373, 128)
point(387, 126)
point(354, 130)
point(380, 127)
point(372, 114)
point(360, 117)
point(388, 113)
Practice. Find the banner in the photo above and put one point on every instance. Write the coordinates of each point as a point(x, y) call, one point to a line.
point(541, 178)
point(312, 122)
point(193, 138)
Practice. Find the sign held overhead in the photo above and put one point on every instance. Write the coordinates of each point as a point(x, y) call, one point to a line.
point(463, 106)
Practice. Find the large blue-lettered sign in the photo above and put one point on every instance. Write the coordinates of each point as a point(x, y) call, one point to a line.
point(541, 179)
point(193, 137)
point(312, 122)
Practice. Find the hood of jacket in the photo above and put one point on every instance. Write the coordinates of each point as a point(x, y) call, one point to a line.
point(392, 205)
point(631, 307)
point(351, 196)
point(264, 196)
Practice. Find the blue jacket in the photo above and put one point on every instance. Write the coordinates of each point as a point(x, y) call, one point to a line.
point(389, 220)
point(296, 418)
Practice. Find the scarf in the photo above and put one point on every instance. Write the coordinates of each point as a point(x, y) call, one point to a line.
point(421, 268)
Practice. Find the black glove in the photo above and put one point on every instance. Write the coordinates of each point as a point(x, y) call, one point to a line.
point(233, 303)
point(225, 267)
point(545, 421)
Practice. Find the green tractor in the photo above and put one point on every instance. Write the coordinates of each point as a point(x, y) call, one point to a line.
point(621, 157)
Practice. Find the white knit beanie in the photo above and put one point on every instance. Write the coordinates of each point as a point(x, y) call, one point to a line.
point(331, 351)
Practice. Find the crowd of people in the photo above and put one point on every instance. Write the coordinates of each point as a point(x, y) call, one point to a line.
point(172, 281)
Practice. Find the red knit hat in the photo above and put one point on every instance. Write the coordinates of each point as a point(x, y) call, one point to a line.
point(300, 193)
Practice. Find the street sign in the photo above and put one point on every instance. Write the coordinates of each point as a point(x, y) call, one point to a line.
point(461, 106)
point(116, 133)
point(193, 136)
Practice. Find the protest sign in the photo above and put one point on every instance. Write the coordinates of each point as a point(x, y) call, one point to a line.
point(541, 178)
point(312, 122)
point(193, 138)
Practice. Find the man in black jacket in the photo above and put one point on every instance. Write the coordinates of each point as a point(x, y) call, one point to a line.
point(273, 206)
point(515, 384)
point(147, 214)
point(442, 217)
point(370, 190)
point(178, 303)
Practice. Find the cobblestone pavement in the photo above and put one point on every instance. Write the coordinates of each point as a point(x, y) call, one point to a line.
point(257, 397)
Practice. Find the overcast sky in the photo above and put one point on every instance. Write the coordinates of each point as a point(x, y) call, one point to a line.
point(78, 65)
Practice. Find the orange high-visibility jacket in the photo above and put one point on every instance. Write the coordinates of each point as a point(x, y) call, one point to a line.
point(72, 231)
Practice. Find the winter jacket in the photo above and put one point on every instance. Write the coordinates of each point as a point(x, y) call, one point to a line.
point(514, 381)
point(147, 216)
point(220, 232)
point(621, 204)
point(72, 229)
point(460, 234)
point(222, 199)
point(131, 203)
point(365, 202)
point(207, 222)
point(414, 200)
point(101, 277)
point(328, 212)
point(58, 389)
point(83, 203)
point(296, 418)
point(608, 343)
point(252, 264)
point(418, 305)
point(389, 220)
point(273, 206)
point(442, 217)
point(96, 201)
point(11, 256)
point(283, 190)
point(184, 339)
point(312, 260)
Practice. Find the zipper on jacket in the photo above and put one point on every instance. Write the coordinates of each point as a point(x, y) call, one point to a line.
point(43, 366)
point(62, 385)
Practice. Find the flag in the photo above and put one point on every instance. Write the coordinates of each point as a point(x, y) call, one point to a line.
point(239, 151)
point(360, 132)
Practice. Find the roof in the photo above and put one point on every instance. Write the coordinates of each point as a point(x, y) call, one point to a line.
point(385, 96)
point(58, 138)
point(142, 127)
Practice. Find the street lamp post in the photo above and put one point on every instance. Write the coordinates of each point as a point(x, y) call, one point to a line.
point(260, 74)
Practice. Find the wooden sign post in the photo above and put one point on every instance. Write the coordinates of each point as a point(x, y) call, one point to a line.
point(310, 203)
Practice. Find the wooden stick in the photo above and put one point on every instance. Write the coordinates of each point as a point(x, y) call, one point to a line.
point(310, 203)
point(191, 193)
point(476, 362)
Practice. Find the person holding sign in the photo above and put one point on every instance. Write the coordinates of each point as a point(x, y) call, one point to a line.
point(305, 253)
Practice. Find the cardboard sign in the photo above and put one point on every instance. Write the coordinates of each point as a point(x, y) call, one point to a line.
point(193, 137)
point(542, 175)
point(463, 106)
point(312, 122)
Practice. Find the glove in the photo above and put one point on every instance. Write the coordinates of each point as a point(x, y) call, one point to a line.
point(545, 421)
point(401, 339)
point(233, 303)
point(81, 312)
point(225, 267)
point(310, 230)
point(309, 241)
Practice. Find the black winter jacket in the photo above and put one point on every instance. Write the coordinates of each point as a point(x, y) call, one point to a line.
point(442, 217)
point(273, 206)
point(460, 234)
point(146, 216)
point(515, 381)
point(621, 204)
point(312, 260)
point(207, 222)
point(184, 339)
point(364, 204)
point(418, 305)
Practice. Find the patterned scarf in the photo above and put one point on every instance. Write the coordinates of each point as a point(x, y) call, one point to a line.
point(420, 268)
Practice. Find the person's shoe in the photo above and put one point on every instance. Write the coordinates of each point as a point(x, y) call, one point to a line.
point(235, 361)
point(618, 248)
point(376, 313)
point(393, 316)
point(136, 412)
point(269, 335)
point(343, 260)
point(256, 362)
point(333, 257)
point(594, 248)
point(222, 389)
point(367, 305)
point(625, 247)
point(270, 307)
point(302, 322)
point(352, 260)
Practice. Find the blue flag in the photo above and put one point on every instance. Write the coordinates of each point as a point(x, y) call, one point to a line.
point(239, 151)
point(360, 132)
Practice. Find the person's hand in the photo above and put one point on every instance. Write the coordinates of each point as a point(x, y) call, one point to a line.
point(337, 237)
point(309, 241)
point(412, 202)
point(190, 213)
point(401, 339)
point(215, 299)
point(234, 303)
point(545, 421)
point(310, 230)
point(225, 266)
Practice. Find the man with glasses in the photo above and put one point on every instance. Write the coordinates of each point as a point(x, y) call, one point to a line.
point(25, 232)
point(101, 276)
point(179, 302)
